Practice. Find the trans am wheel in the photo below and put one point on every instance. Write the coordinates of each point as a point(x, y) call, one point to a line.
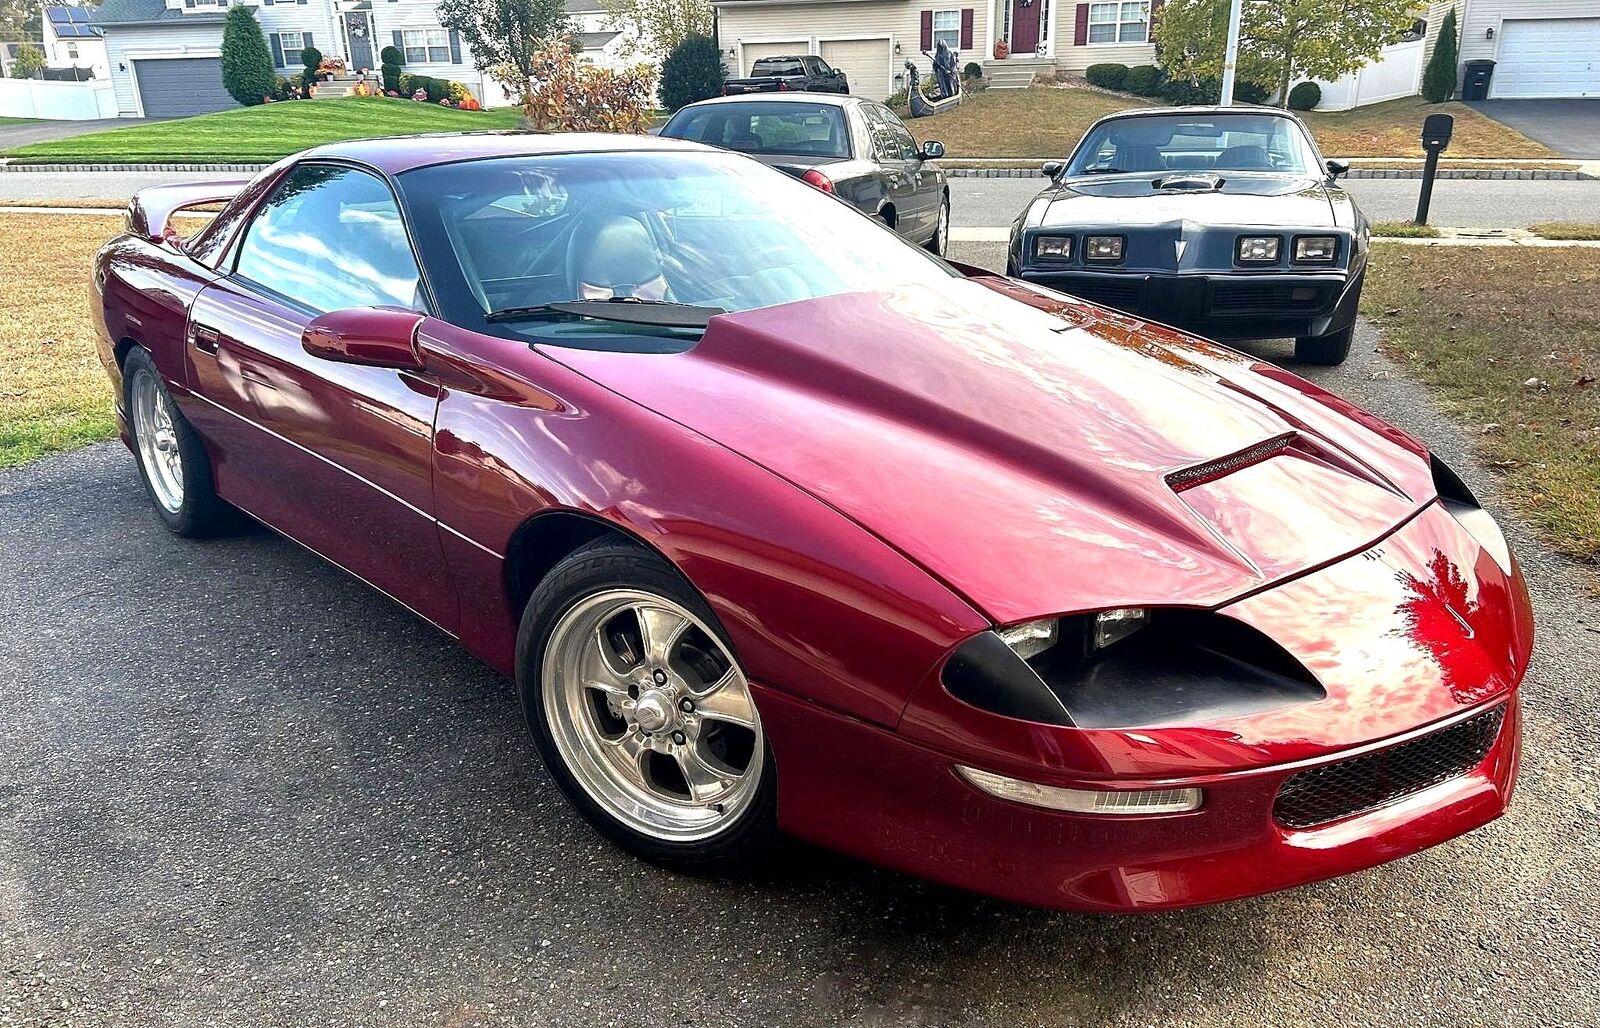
point(172, 461)
point(1332, 348)
point(642, 713)
point(940, 242)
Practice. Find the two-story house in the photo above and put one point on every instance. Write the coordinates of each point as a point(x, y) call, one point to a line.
point(164, 56)
point(870, 40)
point(70, 41)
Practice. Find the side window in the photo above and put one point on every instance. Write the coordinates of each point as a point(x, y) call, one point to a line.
point(822, 66)
point(902, 135)
point(331, 237)
point(884, 145)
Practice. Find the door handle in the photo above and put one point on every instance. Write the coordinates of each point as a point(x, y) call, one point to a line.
point(205, 337)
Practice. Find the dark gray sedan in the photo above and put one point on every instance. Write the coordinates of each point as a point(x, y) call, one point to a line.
point(854, 148)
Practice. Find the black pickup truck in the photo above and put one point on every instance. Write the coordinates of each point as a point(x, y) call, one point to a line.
point(804, 73)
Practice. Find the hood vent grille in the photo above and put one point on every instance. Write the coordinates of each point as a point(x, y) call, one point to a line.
point(1200, 473)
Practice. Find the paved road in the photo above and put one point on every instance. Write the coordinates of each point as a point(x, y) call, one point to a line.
point(1472, 203)
point(1570, 127)
point(237, 788)
point(43, 131)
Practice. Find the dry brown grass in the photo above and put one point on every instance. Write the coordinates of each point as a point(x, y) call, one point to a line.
point(53, 391)
point(1510, 336)
point(1394, 129)
point(1567, 230)
point(97, 202)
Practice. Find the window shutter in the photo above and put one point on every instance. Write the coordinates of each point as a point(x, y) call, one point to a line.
point(455, 47)
point(307, 40)
point(966, 28)
point(400, 44)
point(277, 49)
point(927, 30)
point(1080, 28)
point(267, 3)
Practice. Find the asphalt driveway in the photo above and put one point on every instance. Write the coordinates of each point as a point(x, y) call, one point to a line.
point(239, 788)
point(1569, 127)
point(44, 131)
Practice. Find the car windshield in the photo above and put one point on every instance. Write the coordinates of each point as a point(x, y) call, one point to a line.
point(778, 127)
point(1177, 142)
point(707, 229)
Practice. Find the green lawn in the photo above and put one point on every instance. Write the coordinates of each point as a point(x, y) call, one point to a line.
point(265, 133)
point(17, 121)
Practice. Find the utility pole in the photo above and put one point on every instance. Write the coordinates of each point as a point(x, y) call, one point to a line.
point(1231, 58)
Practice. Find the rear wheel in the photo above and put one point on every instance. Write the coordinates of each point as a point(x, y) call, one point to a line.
point(172, 460)
point(1332, 348)
point(642, 713)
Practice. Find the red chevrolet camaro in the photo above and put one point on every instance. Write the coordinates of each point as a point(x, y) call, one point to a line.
point(783, 524)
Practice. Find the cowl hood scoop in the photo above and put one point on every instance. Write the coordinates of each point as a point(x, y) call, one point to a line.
point(1023, 455)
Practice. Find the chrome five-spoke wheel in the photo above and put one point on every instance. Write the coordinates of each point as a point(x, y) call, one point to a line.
point(651, 715)
point(157, 440)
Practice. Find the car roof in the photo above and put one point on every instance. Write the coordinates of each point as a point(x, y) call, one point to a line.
point(1204, 110)
point(825, 99)
point(397, 154)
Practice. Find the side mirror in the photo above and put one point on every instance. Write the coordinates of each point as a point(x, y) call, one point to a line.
point(1050, 169)
point(932, 150)
point(378, 337)
point(1337, 168)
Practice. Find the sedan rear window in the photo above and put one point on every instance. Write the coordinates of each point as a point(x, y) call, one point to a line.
point(777, 128)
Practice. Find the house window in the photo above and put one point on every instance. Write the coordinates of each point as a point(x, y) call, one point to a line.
point(947, 28)
point(72, 51)
point(292, 43)
point(1127, 22)
point(427, 46)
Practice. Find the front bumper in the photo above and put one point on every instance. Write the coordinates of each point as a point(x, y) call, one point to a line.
point(1223, 306)
point(876, 795)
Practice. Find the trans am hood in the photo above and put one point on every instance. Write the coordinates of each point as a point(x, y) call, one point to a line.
point(1018, 446)
point(1132, 202)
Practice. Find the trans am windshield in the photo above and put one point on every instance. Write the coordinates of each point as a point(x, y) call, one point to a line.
point(1220, 142)
point(705, 229)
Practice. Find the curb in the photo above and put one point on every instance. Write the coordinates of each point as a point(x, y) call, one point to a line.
point(7, 166)
point(1519, 174)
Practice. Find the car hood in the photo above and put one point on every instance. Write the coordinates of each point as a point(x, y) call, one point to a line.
point(1133, 202)
point(1017, 444)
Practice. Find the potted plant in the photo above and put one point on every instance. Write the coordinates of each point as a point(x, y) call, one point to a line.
point(1002, 49)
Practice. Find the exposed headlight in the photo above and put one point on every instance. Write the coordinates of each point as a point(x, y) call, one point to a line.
point(1315, 248)
point(1052, 248)
point(1257, 249)
point(1083, 801)
point(1114, 625)
point(1031, 638)
point(1102, 248)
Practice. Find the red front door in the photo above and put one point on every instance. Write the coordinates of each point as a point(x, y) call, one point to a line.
point(1024, 27)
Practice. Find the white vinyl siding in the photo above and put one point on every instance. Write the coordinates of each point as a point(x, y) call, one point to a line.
point(124, 45)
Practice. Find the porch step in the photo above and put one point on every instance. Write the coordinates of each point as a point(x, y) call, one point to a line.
point(1015, 72)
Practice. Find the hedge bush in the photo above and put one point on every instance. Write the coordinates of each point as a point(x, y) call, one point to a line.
point(973, 70)
point(1107, 76)
point(392, 58)
point(1144, 80)
point(1305, 97)
point(1247, 92)
point(691, 72)
point(246, 62)
point(310, 60)
point(435, 89)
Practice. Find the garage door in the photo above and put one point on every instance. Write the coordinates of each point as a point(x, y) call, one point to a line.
point(864, 61)
point(1548, 57)
point(181, 86)
point(753, 52)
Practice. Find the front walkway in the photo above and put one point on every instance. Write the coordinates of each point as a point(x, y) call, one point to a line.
point(1569, 127)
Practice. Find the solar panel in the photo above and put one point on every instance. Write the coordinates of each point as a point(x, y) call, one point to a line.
point(70, 22)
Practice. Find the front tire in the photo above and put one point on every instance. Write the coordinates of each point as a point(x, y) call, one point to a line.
point(641, 712)
point(173, 463)
point(940, 243)
point(1330, 349)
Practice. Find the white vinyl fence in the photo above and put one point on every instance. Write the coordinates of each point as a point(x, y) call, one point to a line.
point(1397, 72)
point(57, 101)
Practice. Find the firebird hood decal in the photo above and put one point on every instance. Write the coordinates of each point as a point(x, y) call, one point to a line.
point(1019, 450)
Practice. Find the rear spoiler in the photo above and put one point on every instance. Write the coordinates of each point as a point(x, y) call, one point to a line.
point(150, 211)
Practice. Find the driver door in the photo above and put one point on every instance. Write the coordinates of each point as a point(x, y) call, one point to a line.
point(335, 456)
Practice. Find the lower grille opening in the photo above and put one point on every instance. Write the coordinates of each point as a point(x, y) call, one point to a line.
point(1107, 292)
point(1273, 297)
point(1334, 791)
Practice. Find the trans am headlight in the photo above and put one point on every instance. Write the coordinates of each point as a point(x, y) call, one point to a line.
point(1257, 249)
point(1315, 249)
point(1052, 248)
point(1102, 248)
point(1091, 632)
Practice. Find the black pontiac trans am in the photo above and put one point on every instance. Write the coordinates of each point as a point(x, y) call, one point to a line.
point(1222, 220)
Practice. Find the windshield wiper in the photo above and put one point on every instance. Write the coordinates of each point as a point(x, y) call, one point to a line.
point(631, 310)
point(1103, 171)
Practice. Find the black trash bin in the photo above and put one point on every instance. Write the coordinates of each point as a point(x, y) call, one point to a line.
point(1475, 84)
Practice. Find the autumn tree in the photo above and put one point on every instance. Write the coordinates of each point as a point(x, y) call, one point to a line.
point(569, 95)
point(505, 36)
point(660, 24)
point(1280, 41)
